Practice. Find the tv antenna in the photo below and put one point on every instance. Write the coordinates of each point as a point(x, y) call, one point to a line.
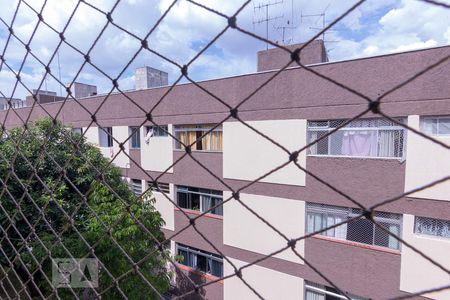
point(323, 16)
point(290, 26)
point(267, 19)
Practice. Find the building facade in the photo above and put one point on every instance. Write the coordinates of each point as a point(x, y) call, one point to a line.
point(370, 159)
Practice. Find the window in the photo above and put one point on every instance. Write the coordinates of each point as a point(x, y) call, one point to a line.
point(359, 138)
point(199, 199)
point(436, 125)
point(136, 186)
point(135, 137)
point(320, 216)
point(314, 291)
point(433, 227)
point(201, 260)
point(77, 130)
point(163, 187)
point(105, 137)
point(198, 136)
point(156, 131)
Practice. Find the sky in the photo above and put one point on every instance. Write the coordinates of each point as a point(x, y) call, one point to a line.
point(375, 27)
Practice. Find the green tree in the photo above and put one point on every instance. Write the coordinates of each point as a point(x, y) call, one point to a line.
point(73, 208)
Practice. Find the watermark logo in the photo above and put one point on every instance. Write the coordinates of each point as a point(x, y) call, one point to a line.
point(75, 273)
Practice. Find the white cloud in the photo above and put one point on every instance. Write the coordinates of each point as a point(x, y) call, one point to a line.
point(376, 27)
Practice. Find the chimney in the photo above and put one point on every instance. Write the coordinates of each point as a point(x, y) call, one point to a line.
point(277, 58)
point(147, 77)
point(82, 90)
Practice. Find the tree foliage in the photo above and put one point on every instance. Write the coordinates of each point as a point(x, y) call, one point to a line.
point(59, 195)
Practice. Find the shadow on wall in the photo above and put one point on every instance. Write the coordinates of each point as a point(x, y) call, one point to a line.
point(185, 286)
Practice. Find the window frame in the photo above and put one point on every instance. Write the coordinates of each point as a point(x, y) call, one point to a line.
point(379, 128)
point(427, 234)
point(135, 137)
point(346, 213)
point(163, 186)
point(318, 288)
point(158, 131)
point(133, 186)
point(200, 130)
point(437, 119)
point(77, 130)
point(218, 195)
point(208, 255)
point(109, 135)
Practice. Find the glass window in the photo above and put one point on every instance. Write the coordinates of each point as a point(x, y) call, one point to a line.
point(200, 260)
point(200, 199)
point(136, 186)
point(135, 137)
point(77, 130)
point(199, 136)
point(161, 187)
point(105, 137)
point(359, 138)
point(432, 227)
point(436, 125)
point(156, 131)
point(321, 216)
point(315, 291)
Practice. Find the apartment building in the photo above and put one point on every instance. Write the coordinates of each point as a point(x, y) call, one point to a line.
point(370, 159)
point(6, 103)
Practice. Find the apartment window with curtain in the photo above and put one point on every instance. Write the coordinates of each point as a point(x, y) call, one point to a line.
point(157, 131)
point(439, 126)
point(432, 227)
point(200, 260)
point(199, 199)
point(376, 138)
point(199, 136)
point(105, 136)
point(321, 216)
point(315, 291)
point(135, 137)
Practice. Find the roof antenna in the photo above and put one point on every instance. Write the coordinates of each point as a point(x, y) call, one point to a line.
point(267, 19)
point(290, 26)
point(323, 16)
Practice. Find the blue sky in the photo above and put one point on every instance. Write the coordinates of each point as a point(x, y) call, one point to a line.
point(375, 27)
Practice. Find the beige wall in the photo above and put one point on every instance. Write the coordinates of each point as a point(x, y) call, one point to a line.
point(426, 162)
point(120, 133)
point(418, 273)
point(91, 135)
point(157, 155)
point(164, 206)
point(242, 229)
point(270, 284)
point(247, 155)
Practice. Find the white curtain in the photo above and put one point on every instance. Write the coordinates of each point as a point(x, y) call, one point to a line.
point(317, 222)
point(393, 242)
point(310, 295)
point(444, 126)
point(330, 222)
point(310, 225)
point(387, 143)
point(340, 231)
point(193, 260)
point(359, 143)
point(149, 135)
point(206, 202)
point(429, 125)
